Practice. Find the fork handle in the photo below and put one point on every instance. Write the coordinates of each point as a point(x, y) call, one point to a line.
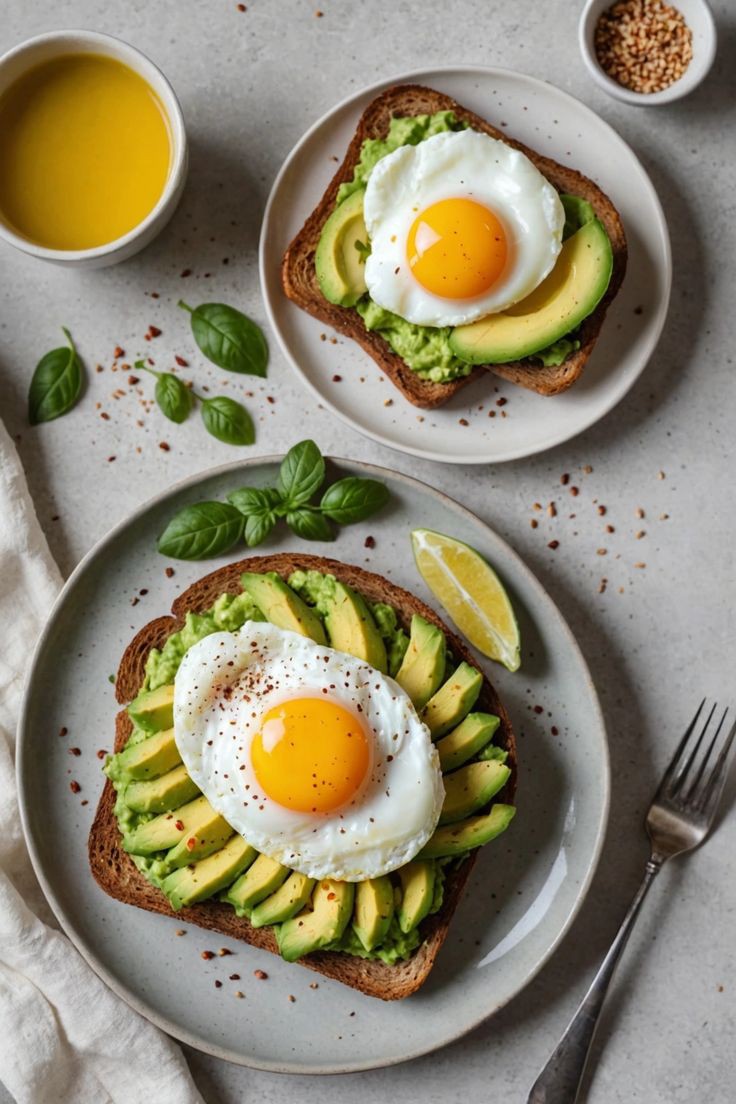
point(560, 1080)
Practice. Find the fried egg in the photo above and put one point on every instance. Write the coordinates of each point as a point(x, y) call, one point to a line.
point(316, 758)
point(461, 226)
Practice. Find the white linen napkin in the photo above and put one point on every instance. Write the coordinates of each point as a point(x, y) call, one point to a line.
point(64, 1037)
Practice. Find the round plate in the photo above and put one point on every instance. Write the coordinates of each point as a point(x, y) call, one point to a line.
point(526, 886)
point(555, 124)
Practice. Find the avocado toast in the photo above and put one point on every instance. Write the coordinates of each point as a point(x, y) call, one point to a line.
point(467, 719)
point(356, 319)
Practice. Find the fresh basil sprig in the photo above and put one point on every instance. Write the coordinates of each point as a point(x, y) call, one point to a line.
point(56, 383)
point(223, 417)
point(228, 338)
point(198, 532)
point(174, 398)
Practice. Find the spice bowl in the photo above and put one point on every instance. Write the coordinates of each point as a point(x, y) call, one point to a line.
point(699, 19)
point(21, 62)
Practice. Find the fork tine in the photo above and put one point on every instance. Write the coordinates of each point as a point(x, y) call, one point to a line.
point(711, 794)
point(704, 762)
point(675, 763)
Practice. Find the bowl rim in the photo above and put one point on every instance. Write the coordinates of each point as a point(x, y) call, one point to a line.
point(110, 46)
point(706, 53)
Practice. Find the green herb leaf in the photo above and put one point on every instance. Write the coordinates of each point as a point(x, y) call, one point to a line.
point(302, 472)
point(254, 500)
point(228, 338)
point(310, 525)
point(364, 250)
point(56, 383)
point(228, 421)
point(353, 499)
point(257, 528)
point(200, 531)
point(174, 398)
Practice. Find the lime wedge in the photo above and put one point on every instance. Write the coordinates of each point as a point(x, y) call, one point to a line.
point(471, 592)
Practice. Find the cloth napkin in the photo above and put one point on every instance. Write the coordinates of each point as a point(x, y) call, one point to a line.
point(64, 1037)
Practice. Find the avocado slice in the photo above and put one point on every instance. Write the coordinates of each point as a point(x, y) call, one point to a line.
point(282, 606)
point(208, 876)
point(153, 710)
point(455, 839)
point(151, 757)
point(351, 627)
point(417, 893)
point(332, 907)
point(470, 788)
point(454, 699)
point(466, 740)
point(261, 880)
point(339, 261)
point(166, 830)
point(423, 667)
point(199, 841)
point(286, 902)
point(374, 908)
point(571, 292)
point(160, 795)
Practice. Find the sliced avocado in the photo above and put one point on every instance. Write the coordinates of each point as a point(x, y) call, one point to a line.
point(262, 879)
point(454, 839)
point(153, 710)
point(199, 841)
point(332, 907)
point(470, 788)
point(466, 740)
point(374, 908)
point(159, 795)
point(454, 699)
point(417, 893)
point(152, 757)
point(340, 257)
point(571, 292)
point(351, 627)
point(166, 830)
point(282, 606)
point(208, 876)
point(286, 902)
point(423, 666)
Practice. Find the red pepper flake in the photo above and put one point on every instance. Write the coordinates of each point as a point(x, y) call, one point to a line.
point(292, 998)
point(564, 479)
point(75, 751)
point(111, 459)
point(101, 753)
point(241, 7)
point(314, 985)
point(318, 14)
point(239, 994)
point(369, 542)
point(164, 446)
point(538, 709)
point(534, 523)
point(180, 931)
point(185, 272)
point(207, 955)
point(555, 730)
point(154, 331)
point(260, 974)
point(118, 352)
point(501, 402)
point(181, 361)
point(74, 787)
point(191, 843)
point(270, 399)
point(143, 590)
point(552, 510)
point(602, 511)
point(234, 977)
point(154, 294)
point(218, 983)
point(337, 379)
point(224, 951)
point(331, 896)
point(179, 825)
point(99, 368)
point(134, 601)
point(63, 731)
point(574, 491)
point(491, 413)
point(610, 529)
point(463, 421)
point(554, 545)
point(169, 572)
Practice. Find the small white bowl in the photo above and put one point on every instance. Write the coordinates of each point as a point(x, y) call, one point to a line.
point(42, 48)
point(699, 19)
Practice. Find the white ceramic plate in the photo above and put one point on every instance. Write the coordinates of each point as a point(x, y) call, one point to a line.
point(555, 124)
point(526, 886)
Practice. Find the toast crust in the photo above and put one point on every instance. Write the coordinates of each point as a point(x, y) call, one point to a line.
point(299, 278)
point(117, 874)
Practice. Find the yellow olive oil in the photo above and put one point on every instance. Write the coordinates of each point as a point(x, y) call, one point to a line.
point(85, 151)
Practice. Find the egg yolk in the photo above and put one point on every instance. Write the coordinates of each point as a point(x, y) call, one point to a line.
point(457, 248)
point(310, 754)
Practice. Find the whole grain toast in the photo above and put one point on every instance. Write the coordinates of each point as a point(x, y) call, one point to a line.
point(299, 278)
point(117, 874)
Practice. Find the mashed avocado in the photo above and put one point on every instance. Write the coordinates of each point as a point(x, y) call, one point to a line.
point(425, 349)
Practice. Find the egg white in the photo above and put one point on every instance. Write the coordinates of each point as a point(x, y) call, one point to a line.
point(462, 164)
point(224, 685)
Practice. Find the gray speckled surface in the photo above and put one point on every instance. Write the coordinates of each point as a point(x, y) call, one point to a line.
point(250, 84)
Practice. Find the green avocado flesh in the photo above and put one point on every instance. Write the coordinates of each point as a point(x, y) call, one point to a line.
point(542, 326)
point(187, 850)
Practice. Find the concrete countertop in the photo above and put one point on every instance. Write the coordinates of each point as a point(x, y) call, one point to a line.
point(656, 639)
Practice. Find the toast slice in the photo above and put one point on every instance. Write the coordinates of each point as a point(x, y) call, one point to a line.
point(299, 278)
point(115, 871)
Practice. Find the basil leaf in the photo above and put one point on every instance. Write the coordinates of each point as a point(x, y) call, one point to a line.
point(174, 398)
point(353, 499)
point(228, 421)
point(309, 525)
point(228, 338)
point(200, 531)
point(56, 383)
point(254, 500)
point(257, 528)
point(302, 472)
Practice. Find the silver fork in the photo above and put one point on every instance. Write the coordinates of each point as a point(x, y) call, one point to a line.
point(678, 820)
